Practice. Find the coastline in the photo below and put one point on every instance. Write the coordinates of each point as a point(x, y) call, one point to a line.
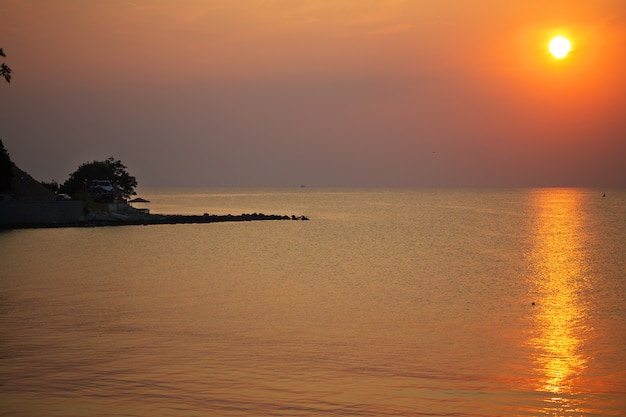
point(142, 219)
point(150, 219)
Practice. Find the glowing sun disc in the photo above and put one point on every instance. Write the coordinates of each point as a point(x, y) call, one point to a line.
point(560, 47)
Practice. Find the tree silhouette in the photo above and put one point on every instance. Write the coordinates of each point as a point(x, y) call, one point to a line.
point(6, 169)
point(109, 169)
point(5, 71)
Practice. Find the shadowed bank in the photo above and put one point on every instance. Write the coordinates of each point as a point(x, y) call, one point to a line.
point(27, 203)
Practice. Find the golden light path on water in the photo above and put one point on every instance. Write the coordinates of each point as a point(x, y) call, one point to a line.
point(559, 274)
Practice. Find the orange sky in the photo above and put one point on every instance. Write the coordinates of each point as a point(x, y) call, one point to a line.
point(326, 93)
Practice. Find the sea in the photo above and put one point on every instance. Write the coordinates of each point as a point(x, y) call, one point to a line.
point(386, 302)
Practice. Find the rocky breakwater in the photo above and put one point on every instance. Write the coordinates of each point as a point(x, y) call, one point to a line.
point(116, 219)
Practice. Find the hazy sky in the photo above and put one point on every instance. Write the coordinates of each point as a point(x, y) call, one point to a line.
point(245, 93)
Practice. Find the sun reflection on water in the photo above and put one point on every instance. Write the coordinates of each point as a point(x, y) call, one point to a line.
point(559, 277)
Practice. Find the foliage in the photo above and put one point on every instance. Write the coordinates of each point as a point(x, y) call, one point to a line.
point(6, 169)
point(52, 185)
point(5, 71)
point(109, 169)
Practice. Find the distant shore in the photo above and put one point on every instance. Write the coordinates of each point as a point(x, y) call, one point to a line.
point(113, 219)
point(148, 219)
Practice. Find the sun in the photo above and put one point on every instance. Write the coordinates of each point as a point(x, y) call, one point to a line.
point(560, 47)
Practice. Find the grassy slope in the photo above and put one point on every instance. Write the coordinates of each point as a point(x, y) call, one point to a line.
point(25, 188)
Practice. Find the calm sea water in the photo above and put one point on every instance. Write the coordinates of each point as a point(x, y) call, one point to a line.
point(385, 303)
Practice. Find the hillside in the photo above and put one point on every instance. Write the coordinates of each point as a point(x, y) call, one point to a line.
point(26, 188)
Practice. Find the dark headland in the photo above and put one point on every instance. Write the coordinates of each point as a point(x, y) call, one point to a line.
point(30, 205)
point(99, 219)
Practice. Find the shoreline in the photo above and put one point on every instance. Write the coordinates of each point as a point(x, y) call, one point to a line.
point(102, 220)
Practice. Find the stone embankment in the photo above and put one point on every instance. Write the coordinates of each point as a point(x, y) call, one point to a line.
point(27, 214)
point(24, 219)
point(148, 219)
